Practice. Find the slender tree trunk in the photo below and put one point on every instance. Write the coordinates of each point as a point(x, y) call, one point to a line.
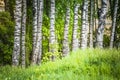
point(66, 32)
point(38, 49)
point(23, 32)
point(17, 33)
point(52, 41)
point(95, 15)
point(113, 24)
point(75, 40)
point(87, 23)
point(35, 20)
point(84, 31)
point(91, 24)
point(111, 8)
point(6, 5)
point(101, 23)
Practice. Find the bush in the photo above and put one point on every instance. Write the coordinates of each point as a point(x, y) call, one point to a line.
point(6, 38)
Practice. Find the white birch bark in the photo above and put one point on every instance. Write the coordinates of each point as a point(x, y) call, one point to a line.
point(38, 48)
point(35, 20)
point(84, 30)
point(101, 24)
point(17, 33)
point(52, 41)
point(113, 24)
point(75, 40)
point(66, 32)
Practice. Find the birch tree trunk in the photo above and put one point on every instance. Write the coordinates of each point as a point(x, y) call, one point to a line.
point(113, 24)
point(66, 32)
point(101, 23)
point(17, 33)
point(52, 41)
point(38, 49)
point(75, 41)
point(84, 30)
point(23, 32)
point(91, 24)
point(35, 20)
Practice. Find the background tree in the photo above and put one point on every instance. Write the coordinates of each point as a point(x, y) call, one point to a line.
point(91, 23)
point(113, 23)
point(23, 48)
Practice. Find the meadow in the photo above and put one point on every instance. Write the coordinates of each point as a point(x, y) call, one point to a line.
point(88, 64)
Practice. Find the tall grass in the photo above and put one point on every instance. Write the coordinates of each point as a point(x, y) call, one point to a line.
point(89, 64)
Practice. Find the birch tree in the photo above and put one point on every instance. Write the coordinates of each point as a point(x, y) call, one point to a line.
point(66, 31)
point(113, 24)
point(101, 23)
point(17, 32)
point(23, 32)
point(84, 30)
point(52, 41)
point(38, 49)
point(75, 41)
point(35, 20)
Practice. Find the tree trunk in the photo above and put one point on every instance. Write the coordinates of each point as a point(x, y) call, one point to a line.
point(113, 24)
point(23, 32)
point(111, 8)
point(6, 5)
point(17, 32)
point(75, 41)
point(66, 32)
point(84, 30)
point(91, 24)
point(38, 49)
point(35, 20)
point(101, 23)
point(52, 41)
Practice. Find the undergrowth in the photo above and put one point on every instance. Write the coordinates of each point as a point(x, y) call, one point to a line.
point(89, 64)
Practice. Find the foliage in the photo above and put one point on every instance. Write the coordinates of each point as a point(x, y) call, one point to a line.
point(106, 41)
point(56, 55)
point(90, 64)
point(6, 38)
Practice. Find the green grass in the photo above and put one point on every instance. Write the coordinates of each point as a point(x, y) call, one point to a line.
point(90, 64)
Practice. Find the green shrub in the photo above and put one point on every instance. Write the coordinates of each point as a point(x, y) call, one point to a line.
point(6, 38)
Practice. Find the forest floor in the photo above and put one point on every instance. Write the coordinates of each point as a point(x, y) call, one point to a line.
point(90, 64)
